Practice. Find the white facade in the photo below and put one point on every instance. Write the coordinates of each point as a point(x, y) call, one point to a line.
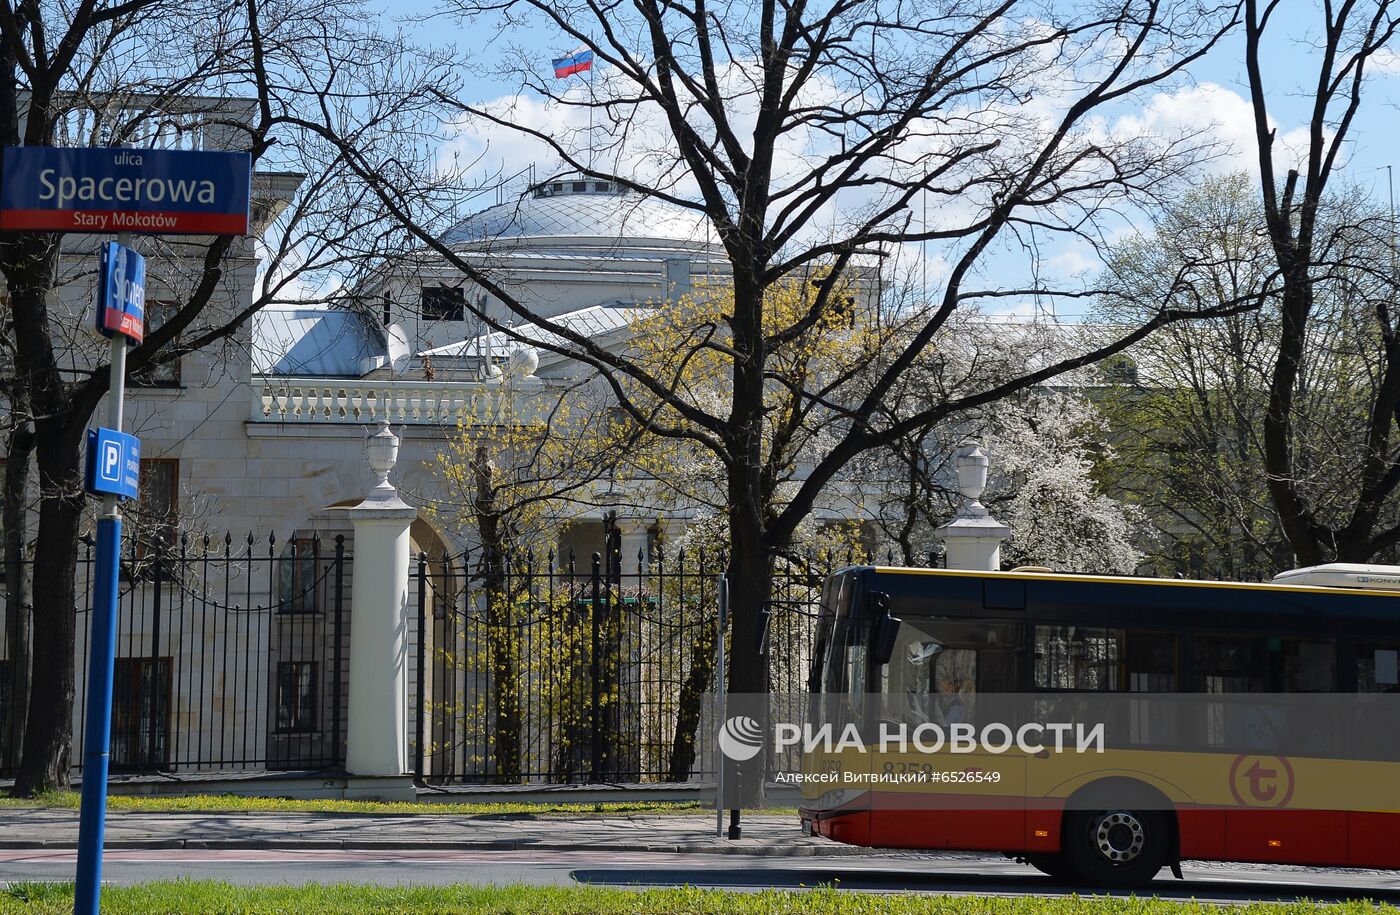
point(265, 434)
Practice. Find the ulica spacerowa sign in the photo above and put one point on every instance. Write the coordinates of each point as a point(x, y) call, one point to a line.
point(111, 189)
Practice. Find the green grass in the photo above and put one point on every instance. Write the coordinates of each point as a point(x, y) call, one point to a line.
point(210, 898)
point(228, 803)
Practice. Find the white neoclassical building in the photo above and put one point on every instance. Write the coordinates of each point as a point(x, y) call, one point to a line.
point(584, 253)
point(236, 653)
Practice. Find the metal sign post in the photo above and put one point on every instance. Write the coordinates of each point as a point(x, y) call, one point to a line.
point(720, 686)
point(104, 190)
point(110, 474)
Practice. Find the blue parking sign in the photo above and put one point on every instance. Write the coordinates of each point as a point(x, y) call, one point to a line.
point(113, 463)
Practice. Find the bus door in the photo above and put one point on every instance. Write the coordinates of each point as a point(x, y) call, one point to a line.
point(1271, 768)
point(1372, 828)
point(945, 673)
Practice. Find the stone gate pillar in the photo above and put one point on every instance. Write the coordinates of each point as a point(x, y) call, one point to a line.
point(973, 538)
point(633, 536)
point(377, 734)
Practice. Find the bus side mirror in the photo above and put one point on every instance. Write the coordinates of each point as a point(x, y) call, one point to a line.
point(886, 628)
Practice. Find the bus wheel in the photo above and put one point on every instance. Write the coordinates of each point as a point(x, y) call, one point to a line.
point(1120, 849)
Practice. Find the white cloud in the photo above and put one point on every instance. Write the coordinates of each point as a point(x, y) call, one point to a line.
point(1221, 114)
point(1386, 61)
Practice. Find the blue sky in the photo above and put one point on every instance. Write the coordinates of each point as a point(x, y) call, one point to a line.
point(1216, 99)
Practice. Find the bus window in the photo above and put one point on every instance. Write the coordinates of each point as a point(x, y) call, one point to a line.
point(826, 624)
point(1230, 664)
point(939, 666)
point(845, 676)
point(1253, 664)
point(1377, 667)
point(1308, 666)
point(1073, 657)
point(1076, 658)
point(1149, 662)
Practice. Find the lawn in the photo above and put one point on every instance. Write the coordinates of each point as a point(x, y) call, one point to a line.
point(228, 803)
point(208, 898)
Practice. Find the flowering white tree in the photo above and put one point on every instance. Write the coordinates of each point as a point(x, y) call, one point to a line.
point(1045, 445)
point(1043, 451)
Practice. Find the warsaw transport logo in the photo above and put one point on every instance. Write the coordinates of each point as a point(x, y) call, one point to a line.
point(741, 738)
point(1261, 781)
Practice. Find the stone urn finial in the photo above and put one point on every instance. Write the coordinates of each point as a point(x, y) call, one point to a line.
point(382, 449)
point(973, 538)
point(971, 464)
point(524, 361)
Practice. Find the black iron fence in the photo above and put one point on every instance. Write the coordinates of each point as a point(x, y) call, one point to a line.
point(568, 669)
point(231, 654)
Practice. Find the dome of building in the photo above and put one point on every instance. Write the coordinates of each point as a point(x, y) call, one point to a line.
point(583, 213)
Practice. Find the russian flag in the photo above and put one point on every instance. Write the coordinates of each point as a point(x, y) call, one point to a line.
point(581, 61)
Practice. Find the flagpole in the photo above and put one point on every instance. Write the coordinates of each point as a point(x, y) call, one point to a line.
point(592, 65)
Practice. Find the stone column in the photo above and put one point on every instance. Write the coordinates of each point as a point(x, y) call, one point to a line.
point(973, 538)
point(633, 533)
point(377, 734)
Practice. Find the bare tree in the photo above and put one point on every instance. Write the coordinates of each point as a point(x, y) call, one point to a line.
point(132, 73)
point(768, 120)
point(1350, 35)
point(1191, 424)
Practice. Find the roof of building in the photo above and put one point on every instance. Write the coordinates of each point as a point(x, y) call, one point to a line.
point(594, 322)
point(313, 341)
point(577, 212)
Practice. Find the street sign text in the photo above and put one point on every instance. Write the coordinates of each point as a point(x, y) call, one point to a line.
point(121, 292)
point(153, 191)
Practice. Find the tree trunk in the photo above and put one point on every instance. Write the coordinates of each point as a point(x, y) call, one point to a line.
point(17, 606)
point(48, 736)
point(688, 708)
point(750, 576)
point(501, 641)
point(1279, 466)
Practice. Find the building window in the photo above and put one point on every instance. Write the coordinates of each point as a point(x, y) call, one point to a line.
point(443, 303)
point(580, 187)
point(163, 374)
point(154, 515)
point(298, 580)
point(141, 714)
point(296, 697)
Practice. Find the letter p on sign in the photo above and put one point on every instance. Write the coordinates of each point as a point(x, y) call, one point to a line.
point(111, 461)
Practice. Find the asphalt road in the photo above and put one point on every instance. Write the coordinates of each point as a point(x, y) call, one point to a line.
point(957, 874)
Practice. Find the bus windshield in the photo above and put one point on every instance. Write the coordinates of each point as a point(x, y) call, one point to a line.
point(939, 666)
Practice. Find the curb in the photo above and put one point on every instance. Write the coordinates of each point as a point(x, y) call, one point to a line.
point(769, 851)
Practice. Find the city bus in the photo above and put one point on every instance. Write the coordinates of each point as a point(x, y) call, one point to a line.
point(1246, 722)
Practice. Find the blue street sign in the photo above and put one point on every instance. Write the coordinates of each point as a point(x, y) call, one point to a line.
point(121, 292)
point(113, 463)
point(153, 191)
